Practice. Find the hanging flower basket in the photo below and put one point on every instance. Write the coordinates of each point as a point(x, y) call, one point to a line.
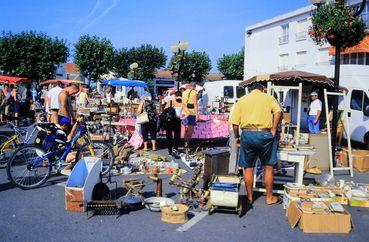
point(334, 23)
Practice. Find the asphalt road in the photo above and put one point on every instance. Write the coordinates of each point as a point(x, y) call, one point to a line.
point(40, 215)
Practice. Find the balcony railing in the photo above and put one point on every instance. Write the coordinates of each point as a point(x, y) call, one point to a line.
point(283, 40)
point(300, 36)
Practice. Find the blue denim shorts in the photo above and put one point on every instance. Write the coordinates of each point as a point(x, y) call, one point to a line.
point(257, 144)
point(190, 121)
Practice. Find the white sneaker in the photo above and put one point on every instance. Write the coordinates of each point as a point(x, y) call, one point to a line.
point(66, 172)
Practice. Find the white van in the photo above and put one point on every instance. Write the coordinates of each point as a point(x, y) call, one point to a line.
point(355, 78)
point(215, 90)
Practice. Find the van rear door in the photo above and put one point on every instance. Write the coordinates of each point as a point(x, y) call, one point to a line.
point(359, 122)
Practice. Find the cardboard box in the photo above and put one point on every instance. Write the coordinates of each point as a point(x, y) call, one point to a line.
point(360, 160)
point(74, 199)
point(344, 161)
point(319, 223)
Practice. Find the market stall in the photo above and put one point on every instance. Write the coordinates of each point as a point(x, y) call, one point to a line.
point(209, 126)
point(292, 89)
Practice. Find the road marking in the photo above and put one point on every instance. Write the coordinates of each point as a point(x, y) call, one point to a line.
point(197, 218)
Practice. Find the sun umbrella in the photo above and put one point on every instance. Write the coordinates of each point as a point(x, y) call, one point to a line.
point(13, 80)
point(122, 82)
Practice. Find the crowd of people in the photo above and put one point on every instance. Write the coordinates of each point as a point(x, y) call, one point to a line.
point(55, 101)
point(256, 119)
point(15, 101)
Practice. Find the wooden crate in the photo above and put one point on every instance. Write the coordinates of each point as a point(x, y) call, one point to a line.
point(74, 199)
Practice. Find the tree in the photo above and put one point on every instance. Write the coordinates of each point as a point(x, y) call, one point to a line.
point(94, 56)
point(231, 66)
point(148, 57)
point(32, 55)
point(193, 67)
point(121, 62)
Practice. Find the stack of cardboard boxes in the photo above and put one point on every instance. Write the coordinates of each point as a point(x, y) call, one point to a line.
point(318, 209)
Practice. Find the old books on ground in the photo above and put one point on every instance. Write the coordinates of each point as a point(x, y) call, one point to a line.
point(319, 217)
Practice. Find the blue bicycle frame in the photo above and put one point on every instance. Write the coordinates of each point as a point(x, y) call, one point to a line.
point(81, 130)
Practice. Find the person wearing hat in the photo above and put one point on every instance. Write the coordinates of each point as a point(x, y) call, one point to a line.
point(258, 115)
point(315, 110)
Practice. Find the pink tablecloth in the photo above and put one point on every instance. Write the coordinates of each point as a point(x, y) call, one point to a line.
point(212, 126)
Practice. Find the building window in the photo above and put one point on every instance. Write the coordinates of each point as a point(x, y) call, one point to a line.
point(228, 91)
point(353, 59)
point(301, 33)
point(300, 58)
point(346, 59)
point(285, 34)
point(360, 58)
point(283, 62)
point(323, 56)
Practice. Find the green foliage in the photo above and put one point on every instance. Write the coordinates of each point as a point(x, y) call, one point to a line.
point(231, 66)
point(336, 24)
point(94, 56)
point(121, 62)
point(148, 57)
point(193, 67)
point(32, 55)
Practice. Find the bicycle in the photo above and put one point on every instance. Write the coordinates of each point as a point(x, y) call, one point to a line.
point(8, 144)
point(30, 166)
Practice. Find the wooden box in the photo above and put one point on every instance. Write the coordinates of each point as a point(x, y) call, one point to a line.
point(216, 163)
point(74, 199)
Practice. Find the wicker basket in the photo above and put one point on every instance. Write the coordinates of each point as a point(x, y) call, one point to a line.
point(171, 216)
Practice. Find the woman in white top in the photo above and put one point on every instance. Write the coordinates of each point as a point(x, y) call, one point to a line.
point(174, 127)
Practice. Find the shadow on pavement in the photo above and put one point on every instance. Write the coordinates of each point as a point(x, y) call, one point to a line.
point(6, 186)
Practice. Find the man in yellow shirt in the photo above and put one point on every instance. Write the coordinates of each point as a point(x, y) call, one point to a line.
point(258, 115)
point(189, 98)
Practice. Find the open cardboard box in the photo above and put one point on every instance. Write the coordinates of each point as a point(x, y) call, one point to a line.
point(319, 223)
point(361, 160)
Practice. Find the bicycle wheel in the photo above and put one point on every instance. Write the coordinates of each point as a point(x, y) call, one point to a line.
point(101, 150)
point(6, 149)
point(28, 167)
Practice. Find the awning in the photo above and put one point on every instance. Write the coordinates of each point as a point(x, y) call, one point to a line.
point(122, 82)
point(363, 46)
point(290, 77)
point(13, 80)
point(64, 82)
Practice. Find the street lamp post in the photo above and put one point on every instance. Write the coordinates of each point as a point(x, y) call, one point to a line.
point(179, 50)
point(133, 68)
point(337, 62)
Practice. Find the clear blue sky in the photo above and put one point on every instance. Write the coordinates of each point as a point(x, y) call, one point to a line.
point(214, 26)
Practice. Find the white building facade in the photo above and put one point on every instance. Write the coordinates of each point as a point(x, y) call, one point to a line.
point(282, 43)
